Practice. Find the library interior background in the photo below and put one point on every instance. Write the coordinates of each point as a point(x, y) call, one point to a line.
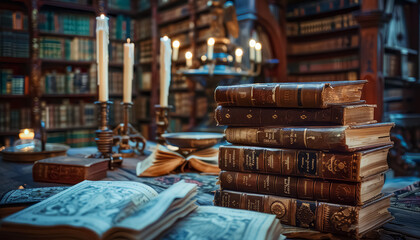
point(294, 108)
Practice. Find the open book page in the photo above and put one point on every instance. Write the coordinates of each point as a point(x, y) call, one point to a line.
point(89, 204)
point(159, 214)
point(164, 161)
point(224, 223)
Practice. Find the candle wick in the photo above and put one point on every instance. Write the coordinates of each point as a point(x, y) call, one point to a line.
point(128, 40)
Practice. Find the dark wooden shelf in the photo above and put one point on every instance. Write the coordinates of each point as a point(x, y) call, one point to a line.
point(119, 65)
point(330, 51)
point(174, 20)
point(202, 10)
point(143, 39)
point(118, 40)
point(71, 128)
point(14, 60)
point(171, 4)
point(13, 30)
point(70, 95)
point(326, 72)
point(10, 133)
point(183, 31)
point(66, 62)
point(393, 99)
point(323, 14)
point(12, 96)
point(55, 34)
point(112, 11)
point(64, 5)
point(398, 81)
point(400, 50)
point(174, 115)
point(144, 119)
point(142, 91)
point(143, 13)
point(202, 26)
point(305, 37)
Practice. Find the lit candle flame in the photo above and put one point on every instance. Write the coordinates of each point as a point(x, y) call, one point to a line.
point(239, 52)
point(252, 43)
point(188, 55)
point(128, 40)
point(102, 16)
point(211, 41)
point(165, 37)
point(176, 44)
point(258, 46)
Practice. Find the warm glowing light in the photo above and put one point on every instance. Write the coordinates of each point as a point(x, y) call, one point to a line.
point(239, 52)
point(27, 134)
point(26, 131)
point(230, 58)
point(165, 37)
point(258, 46)
point(188, 55)
point(176, 44)
point(102, 16)
point(210, 42)
point(128, 40)
point(252, 43)
point(203, 58)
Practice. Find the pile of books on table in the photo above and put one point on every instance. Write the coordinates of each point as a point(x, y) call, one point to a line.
point(310, 153)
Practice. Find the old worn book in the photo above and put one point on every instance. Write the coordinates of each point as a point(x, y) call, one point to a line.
point(353, 221)
point(353, 166)
point(164, 161)
point(258, 116)
point(290, 95)
point(70, 170)
point(18, 199)
point(335, 138)
point(131, 210)
point(351, 193)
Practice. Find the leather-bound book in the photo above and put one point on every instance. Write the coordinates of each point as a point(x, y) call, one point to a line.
point(258, 116)
point(290, 95)
point(352, 221)
point(336, 138)
point(70, 170)
point(353, 166)
point(351, 193)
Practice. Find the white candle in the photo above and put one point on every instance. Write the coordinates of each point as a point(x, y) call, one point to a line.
point(165, 69)
point(188, 57)
point(238, 55)
point(252, 49)
point(128, 70)
point(210, 48)
point(258, 54)
point(175, 46)
point(102, 40)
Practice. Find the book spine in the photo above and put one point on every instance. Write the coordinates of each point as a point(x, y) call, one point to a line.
point(271, 95)
point(248, 116)
point(58, 173)
point(302, 188)
point(285, 137)
point(324, 217)
point(290, 162)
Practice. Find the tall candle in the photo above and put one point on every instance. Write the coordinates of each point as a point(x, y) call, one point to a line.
point(175, 46)
point(252, 49)
point(210, 48)
point(258, 53)
point(165, 69)
point(188, 58)
point(102, 40)
point(128, 71)
point(238, 55)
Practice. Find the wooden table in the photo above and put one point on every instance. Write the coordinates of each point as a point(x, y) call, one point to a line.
point(14, 175)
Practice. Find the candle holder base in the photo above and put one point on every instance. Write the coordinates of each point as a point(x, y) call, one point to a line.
point(124, 133)
point(162, 122)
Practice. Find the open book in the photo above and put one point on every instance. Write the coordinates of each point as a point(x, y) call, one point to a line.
point(164, 161)
point(129, 210)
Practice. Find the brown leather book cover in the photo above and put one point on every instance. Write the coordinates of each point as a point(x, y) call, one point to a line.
point(298, 162)
point(294, 187)
point(336, 138)
point(290, 95)
point(321, 216)
point(70, 170)
point(257, 116)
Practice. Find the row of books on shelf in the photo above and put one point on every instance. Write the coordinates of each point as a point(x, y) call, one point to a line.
point(15, 20)
point(341, 63)
point(71, 82)
point(14, 44)
point(174, 28)
point(13, 84)
point(121, 27)
point(13, 119)
point(116, 52)
point(328, 24)
point(204, 19)
point(119, 4)
point(351, 75)
point(394, 66)
point(76, 49)
point(312, 8)
point(144, 51)
point(143, 28)
point(66, 23)
point(182, 103)
point(141, 108)
point(174, 13)
point(74, 139)
point(143, 5)
point(145, 81)
point(336, 43)
point(67, 115)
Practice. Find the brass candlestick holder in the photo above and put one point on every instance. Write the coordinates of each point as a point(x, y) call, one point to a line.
point(104, 137)
point(162, 122)
point(125, 132)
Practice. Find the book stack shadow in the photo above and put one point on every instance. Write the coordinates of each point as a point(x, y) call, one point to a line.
point(310, 153)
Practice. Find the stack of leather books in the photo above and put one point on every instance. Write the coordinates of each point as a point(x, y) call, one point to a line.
point(311, 153)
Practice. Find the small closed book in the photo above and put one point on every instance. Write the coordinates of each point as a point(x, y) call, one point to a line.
point(290, 95)
point(69, 170)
